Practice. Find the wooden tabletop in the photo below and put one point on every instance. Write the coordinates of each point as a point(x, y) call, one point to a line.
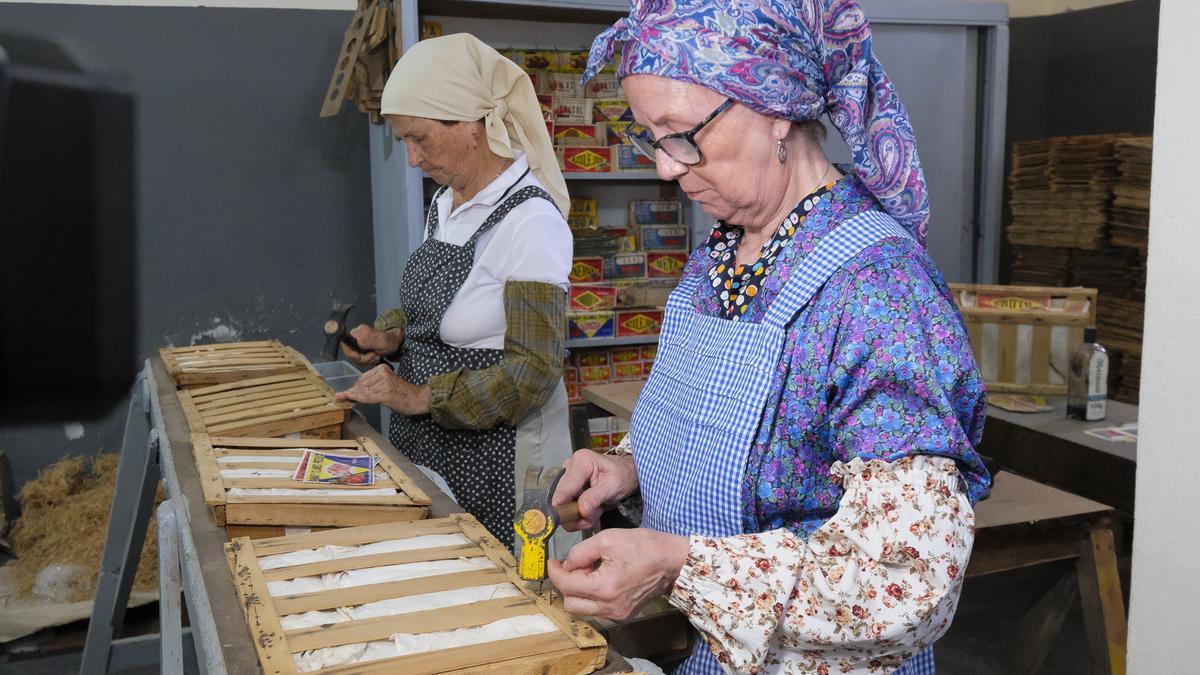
point(1018, 500)
point(617, 398)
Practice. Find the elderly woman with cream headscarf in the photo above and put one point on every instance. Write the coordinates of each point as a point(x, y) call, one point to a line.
point(805, 444)
point(479, 336)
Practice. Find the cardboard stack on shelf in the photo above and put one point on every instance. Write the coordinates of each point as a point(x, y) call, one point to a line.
point(587, 122)
point(621, 275)
point(604, 365)
point(1081, 217)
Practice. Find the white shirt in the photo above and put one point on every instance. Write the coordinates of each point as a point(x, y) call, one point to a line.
point(533, 243)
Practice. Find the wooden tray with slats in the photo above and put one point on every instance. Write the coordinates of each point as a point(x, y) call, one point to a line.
point(217, 457)
point(202, 365)
point(1023, 336)
point(268, 407)
point(563, 645)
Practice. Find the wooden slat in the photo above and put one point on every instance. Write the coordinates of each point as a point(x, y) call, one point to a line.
point(361, 595)
point(350, 512)
point(206, 466)
point(1039, 361)
point(266, 631)
point(288, 483)
point(461, 657)
point(1007, 371)
point(407, 486)
point(363, 562)
point(221, 345)
point(300, 398)
point(317, 417)
point(583, 635)
point(999, 316)
point(265, 453)
point(233, 386)
point(242, 395)
point(233, 363)
point(429, 621)
point(220, 443)
point(354, 536)
point(265, 409)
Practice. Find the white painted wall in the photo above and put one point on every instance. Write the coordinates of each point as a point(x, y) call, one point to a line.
point(264, 4)
point(1164, 623)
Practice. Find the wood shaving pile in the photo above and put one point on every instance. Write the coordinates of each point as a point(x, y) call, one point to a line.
point(64, 520)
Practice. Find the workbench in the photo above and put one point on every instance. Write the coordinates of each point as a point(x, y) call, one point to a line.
point(219, 630)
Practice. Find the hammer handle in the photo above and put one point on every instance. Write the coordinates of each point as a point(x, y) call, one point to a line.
point(568, 513)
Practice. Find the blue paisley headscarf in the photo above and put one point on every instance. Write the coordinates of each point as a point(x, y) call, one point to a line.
point(794, 59)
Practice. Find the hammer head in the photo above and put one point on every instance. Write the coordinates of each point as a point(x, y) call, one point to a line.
point(536, 519)
point(336, 331)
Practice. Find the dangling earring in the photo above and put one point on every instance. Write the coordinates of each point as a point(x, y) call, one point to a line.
point(782, 152)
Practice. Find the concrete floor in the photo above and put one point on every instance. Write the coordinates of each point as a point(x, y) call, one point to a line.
point(979, 643)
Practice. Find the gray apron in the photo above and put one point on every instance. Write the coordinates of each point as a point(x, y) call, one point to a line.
point(477, 465)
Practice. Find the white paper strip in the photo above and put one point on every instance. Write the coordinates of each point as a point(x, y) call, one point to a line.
point(256, 473)
point(311, 555)
point(377, 575)
point(290, 492)
point(272, 459)
point(404, 644)
point(404, 605)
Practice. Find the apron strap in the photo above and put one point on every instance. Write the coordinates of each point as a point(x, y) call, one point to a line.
point(835, 249)
point(431, 216)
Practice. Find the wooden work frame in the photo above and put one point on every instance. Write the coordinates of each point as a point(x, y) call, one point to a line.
point(203, 365)
point(267, 407)
point(1012, 332)
point(300, 511)
point(574, 648)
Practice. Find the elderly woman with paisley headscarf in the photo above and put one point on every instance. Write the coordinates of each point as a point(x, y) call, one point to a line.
point(805, 444)
point(480, 333)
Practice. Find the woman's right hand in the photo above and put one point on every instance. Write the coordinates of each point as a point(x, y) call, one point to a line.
point(375, 343)
point(595, 481)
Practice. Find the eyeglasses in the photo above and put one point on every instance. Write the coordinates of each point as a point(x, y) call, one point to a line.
point(681, 147)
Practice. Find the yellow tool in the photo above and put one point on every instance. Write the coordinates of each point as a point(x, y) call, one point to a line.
point(537, 519)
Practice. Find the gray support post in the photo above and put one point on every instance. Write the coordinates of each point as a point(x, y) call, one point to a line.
point(170, 617)
point(994, 94)
point(137, 481)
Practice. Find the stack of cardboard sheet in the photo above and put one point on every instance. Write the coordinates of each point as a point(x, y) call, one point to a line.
point(1129, 218)
point(1061, 188)
point(1041, 266)
point(1120, 330)
point(1111, 270)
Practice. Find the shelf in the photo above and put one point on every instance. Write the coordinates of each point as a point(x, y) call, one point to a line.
point(587, 343)
point(629, 175)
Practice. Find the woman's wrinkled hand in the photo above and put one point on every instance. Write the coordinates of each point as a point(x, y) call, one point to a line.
point(616, 572)
point(381, 385)
point(595, 481)
point(376, 344)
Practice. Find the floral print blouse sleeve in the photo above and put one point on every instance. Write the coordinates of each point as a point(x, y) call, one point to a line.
point(875, 584)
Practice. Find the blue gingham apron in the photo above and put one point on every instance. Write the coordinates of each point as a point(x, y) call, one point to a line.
point(700, 410)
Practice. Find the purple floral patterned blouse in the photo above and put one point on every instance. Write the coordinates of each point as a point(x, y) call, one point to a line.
point(877, 366)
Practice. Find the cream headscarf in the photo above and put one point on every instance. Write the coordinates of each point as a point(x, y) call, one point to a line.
point(458, 78)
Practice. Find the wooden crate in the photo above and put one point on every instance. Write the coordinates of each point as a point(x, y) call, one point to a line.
point(247, 514)
point(570, 646)
point(202, 365)
point(1023, 336)
point(269, 407)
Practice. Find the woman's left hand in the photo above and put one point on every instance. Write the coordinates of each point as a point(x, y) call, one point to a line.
point(616, 572)
point(382, 385)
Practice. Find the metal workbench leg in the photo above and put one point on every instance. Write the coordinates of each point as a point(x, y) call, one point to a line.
point(170, 618)
point(137, 481)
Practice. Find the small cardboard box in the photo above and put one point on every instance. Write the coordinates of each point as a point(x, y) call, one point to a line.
point(646, 367)
point(627, 372)
point(581, 135)
point(572, 110)
point(590, 325)
point(655, 212)
point(665, 264)
point(586, 270)
point(648, 352)
point(603, 86)
point(663, 237)
point(611, 110)
point(625, 266)
point(583, 206)
point(570, 62)
point(645, 294)
point(564, 85)
point(546, 103)
point(534, 59)
point(583, 222)
point(593, 357)
point(638, 322)
point(616, 132)
point(587, 160)
point(592, 297)
point(595, 375)
point(570, 374)
point(540, 80)
point(626, 354)
point(629, 158)
point(602, 441)
point(573, 394)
